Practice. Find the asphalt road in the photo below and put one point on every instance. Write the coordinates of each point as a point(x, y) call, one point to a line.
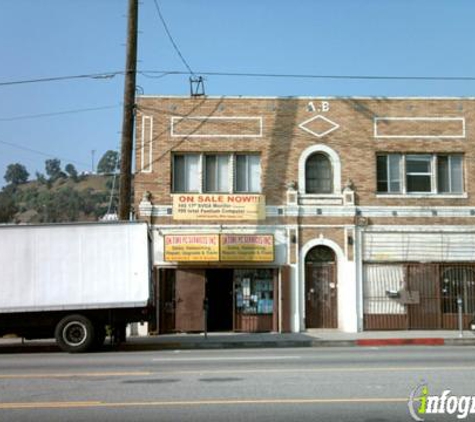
point(326, 384)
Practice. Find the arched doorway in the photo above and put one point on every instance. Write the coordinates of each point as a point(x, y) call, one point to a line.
point(321, 293)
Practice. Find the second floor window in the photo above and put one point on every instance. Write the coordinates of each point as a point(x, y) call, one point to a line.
point(318, 174)
point(186, 172)
point(420, 173)
point(247, 173)
point(216, 173)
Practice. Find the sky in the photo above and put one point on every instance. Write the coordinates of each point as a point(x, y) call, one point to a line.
point(78, 120)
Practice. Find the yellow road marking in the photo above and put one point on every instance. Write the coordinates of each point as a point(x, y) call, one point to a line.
point(83, 404)
point(236, 371)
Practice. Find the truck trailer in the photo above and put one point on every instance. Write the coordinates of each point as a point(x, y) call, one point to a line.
point(74, 282)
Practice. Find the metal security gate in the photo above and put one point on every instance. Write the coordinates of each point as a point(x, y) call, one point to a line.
point(418, 296)
point(321, 295)
point(425, 313)
point(382, 309)
point(457, 283)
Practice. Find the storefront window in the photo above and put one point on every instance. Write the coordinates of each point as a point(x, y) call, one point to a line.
point(254, 291)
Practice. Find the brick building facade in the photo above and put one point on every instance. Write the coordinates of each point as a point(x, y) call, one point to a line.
point(286, 214)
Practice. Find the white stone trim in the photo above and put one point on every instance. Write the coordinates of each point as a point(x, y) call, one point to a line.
point(376, 120)
point(333, 126)
point(303, 97)
point(321, 241)
point(204, 119)
point(148, 210)
point(419, 229)
point(146, 163)
point(300, 291)
point(422, 196)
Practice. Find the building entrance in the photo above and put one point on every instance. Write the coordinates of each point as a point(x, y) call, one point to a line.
point(321, 289)
point(219, 295)
point(237, 299)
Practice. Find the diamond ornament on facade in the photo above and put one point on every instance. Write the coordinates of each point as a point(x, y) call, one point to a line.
point(319, 126)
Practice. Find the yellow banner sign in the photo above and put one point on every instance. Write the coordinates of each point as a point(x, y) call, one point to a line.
point(215, 247)
point(247, 247)
point(189, 247)
point(218, 207)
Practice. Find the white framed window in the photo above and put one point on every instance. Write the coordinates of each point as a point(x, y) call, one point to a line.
point(419, 173)
point(419, 170)
point(389, 172)
point(319, 172)
point(247, 173)
point(449, 173)
point(186, 173)
point(216, 173)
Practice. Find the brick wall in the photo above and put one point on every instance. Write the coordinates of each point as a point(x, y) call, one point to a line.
point(282, 141)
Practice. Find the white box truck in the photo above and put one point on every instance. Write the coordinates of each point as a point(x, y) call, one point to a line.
point(71, 281)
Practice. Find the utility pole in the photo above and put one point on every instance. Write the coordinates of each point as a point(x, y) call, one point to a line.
point(125, 185)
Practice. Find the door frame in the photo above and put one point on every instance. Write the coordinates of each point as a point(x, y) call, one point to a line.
point(162, 271)
point(300, 293)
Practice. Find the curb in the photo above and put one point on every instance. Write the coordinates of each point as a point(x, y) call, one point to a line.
point(459, 341)
point(402, 342)
point(131, 345)
point(202, 345)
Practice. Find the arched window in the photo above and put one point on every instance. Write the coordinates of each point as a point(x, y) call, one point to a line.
point(320, 254)
point(318, 174)
point(319, 161)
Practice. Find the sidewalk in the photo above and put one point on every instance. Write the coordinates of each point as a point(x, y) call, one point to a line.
point(312, 338)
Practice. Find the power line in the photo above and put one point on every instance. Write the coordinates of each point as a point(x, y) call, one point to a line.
point(158, 76)
point(104, 75)
point(163, 73)
point(170, 37)
point(45, 154)
point(57, 113)
point(313, 76)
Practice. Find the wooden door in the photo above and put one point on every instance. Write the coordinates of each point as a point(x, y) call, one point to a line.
point(321, 295)
point(189, 295)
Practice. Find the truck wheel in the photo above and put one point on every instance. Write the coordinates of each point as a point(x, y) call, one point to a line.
point(75, 334)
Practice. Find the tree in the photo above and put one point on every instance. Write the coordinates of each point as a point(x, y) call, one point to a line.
point(8, 207)
point(72, 172)
point(16, 174)
point(109, 162)
point(53, 169)
point(40, 177)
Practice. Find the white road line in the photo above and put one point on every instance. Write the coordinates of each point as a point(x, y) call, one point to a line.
point(232, 358)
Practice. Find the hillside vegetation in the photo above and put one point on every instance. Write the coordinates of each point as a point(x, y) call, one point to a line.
point(58, 197)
